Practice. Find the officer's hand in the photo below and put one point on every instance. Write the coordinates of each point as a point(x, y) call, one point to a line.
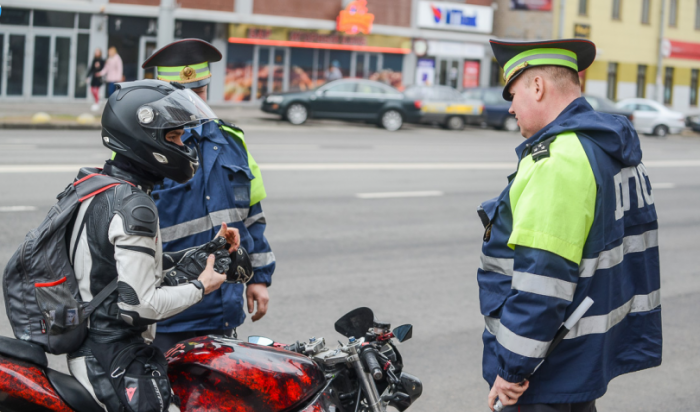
point(257, 292)
point(210, 279)
point(507, 392)
point(231, 235)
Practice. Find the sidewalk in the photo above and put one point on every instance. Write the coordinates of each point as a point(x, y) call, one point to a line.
point(23, 115)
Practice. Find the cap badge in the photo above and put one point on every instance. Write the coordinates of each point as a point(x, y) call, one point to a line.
point(515, 70)
point(187, 73)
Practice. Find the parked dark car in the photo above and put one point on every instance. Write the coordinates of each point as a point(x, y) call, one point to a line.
point(495, 107)
point(348, 99)
point(445, 106)
point(694, 123)
point(603, 105)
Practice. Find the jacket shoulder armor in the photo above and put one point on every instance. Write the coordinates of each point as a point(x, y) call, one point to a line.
point(138, 211)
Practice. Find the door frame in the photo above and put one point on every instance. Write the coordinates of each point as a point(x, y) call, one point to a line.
point(8, 31)
point(53, 33)
point(271, 75)
point(449, 60)
point(142, 53)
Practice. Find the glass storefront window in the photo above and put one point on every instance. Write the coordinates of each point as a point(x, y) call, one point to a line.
point(45, 18)
point(301, 71)
point(84, 21)
point(239, 73)
point(15, 63)
point(81, 65)
point(17, 17)
point(392, 68)
point(40, 83)
point(278, 70)
point(339, 59)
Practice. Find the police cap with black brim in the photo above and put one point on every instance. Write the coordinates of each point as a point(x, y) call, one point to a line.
point(184, 61)
point(516, 57)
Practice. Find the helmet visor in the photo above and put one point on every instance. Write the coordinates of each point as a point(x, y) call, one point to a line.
point(182, 108)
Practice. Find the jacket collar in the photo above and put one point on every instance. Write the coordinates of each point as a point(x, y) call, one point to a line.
point(142, 183)
point(210, 131)
point(557, 126)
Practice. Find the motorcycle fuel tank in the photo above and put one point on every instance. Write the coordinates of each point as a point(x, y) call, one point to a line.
point(212, 373)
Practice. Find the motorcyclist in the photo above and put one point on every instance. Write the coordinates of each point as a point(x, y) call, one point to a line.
point(116, 233)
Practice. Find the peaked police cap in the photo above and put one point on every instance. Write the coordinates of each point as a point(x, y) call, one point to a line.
point(516, 57)
point(184, 61)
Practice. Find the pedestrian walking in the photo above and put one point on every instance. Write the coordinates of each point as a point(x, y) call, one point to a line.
point(113, 71)
point(95, 79)
point(576, 220)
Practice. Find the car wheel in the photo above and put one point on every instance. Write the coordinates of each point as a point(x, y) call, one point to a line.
point(296, 113)
point(454, 123)
point(511, 124)
point(392, 120)
point(660, 131)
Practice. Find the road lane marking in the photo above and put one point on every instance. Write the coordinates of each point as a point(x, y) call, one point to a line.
point(308, 167)
point(655, 186)
point(17, 208)
point(392, 195)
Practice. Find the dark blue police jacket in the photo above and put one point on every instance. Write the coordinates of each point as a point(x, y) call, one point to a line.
point(577, 219)
point(191, 215)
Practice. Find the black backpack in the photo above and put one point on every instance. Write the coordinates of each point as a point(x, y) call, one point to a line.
point(42, 299)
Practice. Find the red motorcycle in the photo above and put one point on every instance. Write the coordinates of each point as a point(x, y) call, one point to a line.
point(215, 373)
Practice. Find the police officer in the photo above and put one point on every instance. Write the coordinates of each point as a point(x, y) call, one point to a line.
point(227, 188)
point(576, 219)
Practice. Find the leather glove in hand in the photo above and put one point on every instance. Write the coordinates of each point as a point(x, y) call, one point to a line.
point(194, 260)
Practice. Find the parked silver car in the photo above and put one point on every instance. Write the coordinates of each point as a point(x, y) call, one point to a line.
point(652, 117)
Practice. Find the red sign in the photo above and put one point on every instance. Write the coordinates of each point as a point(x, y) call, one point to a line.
point(684, 50)
point(471, 74)
point(355, 18)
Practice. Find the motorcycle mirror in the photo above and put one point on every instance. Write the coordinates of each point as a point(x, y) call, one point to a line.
point(403, 332)
point(355, 323)
point(260, 340)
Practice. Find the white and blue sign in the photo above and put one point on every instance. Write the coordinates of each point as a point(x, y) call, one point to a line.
point(455, 16)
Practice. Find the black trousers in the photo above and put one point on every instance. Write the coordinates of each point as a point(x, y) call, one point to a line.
point(553, 407)
point(165, 341)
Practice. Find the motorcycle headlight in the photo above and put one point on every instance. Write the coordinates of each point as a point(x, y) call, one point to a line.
point(274, 99)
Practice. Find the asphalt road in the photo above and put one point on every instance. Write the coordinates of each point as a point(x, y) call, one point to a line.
point(344, 238)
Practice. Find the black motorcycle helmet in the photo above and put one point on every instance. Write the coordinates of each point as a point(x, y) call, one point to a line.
point(139, 114)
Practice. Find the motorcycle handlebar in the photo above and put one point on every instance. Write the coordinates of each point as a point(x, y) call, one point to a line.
point(369, 356)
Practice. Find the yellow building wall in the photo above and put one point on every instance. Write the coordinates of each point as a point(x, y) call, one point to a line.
point(627, 40)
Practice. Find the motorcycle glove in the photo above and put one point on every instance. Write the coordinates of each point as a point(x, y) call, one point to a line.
point(185, 266)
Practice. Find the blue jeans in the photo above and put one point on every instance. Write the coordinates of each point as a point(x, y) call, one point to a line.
point(111, 87)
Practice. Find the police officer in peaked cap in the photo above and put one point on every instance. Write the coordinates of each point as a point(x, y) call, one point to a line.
point(227, 189)
point(577, 219)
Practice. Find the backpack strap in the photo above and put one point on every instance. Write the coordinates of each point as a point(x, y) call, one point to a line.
point(104, 293)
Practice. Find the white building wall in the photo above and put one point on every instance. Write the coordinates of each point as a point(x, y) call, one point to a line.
point(681, 98)
point(651, 91)
point(626, 90)
point(596, 87)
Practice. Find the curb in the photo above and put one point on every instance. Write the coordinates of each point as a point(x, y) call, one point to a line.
point(49, 126)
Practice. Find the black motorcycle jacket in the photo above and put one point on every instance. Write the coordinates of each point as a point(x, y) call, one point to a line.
point(116, 235)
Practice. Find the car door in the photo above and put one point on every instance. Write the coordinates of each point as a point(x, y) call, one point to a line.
point(645, 117)
point(368, 101)
point(334, 100)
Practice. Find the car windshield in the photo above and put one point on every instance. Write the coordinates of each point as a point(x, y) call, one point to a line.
point(474, 94)
point(369, 88)
point(341, 87)
point(492, 97)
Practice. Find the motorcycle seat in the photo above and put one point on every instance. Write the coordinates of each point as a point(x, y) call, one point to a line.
point(72, 392)
point(23, 350)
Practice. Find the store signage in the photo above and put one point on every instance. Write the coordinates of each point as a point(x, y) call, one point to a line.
point(582, 31)
point(355, 18)
point(311, 37)
point(470, 76)
point(537, 5)
point(682, 49)
point(455, 16)
point(425, 72)
point(455, 49)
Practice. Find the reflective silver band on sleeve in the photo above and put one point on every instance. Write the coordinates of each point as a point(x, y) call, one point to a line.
point(610, 258)
point(260, 217)
point(503, 266)
point(543, 285)
point(261, 259)
point(521, 345)
point(603, 323)
point(203, 224)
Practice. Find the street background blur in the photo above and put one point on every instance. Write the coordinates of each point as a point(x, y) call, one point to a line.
point(359, 216)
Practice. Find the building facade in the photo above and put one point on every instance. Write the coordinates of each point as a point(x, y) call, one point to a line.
point(46, 46)
point(627, 33)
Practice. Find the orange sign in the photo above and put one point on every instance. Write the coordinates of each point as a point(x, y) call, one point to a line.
point(355, 19)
